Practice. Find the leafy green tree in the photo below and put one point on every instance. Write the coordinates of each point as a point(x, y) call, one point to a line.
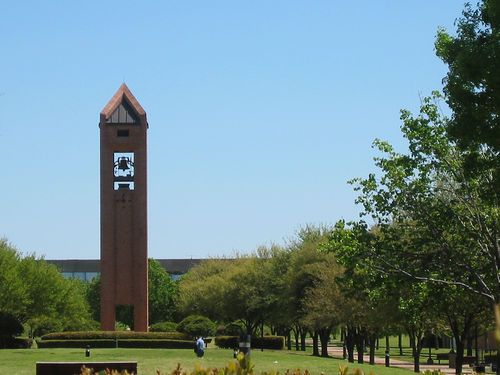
point(162, 293)
point(417, 316)
point(247, 297)
point(367, 294)
point(301, 276)
point(241, 289)
point(323, 302)
point(472, 86)
point(13, 293)
point(93, 297)
point(452, 231)
point(279, 316)
point(461, 311)
point(201, 289)
point(54, 303)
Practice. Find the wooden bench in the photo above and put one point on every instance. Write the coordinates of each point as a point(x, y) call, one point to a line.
point(72, 368)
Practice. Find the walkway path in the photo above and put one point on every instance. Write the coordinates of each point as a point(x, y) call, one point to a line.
point(337, 353)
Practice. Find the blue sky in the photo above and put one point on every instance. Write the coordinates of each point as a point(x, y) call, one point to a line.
point(259, 113)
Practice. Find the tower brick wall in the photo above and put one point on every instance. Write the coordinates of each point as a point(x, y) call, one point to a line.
point(124, 259)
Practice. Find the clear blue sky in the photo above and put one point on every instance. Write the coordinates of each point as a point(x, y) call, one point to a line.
point(259, 113)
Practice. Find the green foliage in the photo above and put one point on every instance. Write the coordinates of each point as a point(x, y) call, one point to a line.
point(36, 294)
point(472, 87)
point(108, 339)
point(163, 327)
point(124, 317)
point(432, 372)
point(247, 289)
point(93, 297)
point(9, 325)
point(344, 370)
point(162, 293)
point(9, 342)
point(122, 343)
point(268, 342)
point(9, 328)
point(231, 329)
point(196, 325)
point(13, 292)
point(227, 342)
point(122, 335)
point(437, 222)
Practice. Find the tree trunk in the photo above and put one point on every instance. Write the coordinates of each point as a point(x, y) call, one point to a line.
point(324, 336)
point(289, 339)
point(469, 345)
point(416, 344)
point(303, 340)
point(373, 340)
point(460, 357)
point(459, 337)
point(416, 359)
point(315, 344)
point(360, 340)
point(400, 344)
point(296, 337)
point(350, 338)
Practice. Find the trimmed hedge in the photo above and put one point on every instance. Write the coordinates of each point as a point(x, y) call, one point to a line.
point(163, 327)
point(227, 342)
point(112, 335)
point(122, 343)
point(266, 342)
point(15, 342)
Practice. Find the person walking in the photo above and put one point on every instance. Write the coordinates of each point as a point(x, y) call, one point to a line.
point(200, 347)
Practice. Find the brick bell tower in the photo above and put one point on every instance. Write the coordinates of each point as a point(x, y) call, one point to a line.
point(124, 245)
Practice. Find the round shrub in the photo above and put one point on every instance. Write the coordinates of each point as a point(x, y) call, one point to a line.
point(196, 325)
point(163, 327)
point(9, 328)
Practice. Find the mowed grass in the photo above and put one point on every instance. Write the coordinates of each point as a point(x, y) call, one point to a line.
point(23, 362)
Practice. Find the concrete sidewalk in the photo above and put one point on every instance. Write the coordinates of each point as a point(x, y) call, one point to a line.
point(379, 361)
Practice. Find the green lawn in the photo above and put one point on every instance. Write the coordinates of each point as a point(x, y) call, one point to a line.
point(22, 362)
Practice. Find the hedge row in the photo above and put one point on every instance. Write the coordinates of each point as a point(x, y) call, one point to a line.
point(266, 342)
point(123, 343)
point(112, 335)
point(15, 342)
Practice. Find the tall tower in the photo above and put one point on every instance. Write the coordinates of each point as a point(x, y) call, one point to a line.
point(124, 255)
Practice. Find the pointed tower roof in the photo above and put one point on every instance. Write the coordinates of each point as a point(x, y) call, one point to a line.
point(123, 97)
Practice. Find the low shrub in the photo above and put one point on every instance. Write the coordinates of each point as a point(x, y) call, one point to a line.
point(125, 343)
point(163, 327)
point(266, 342)
point(227, 342)
point(15, 342)
point(103, 335)
point(9, 328)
